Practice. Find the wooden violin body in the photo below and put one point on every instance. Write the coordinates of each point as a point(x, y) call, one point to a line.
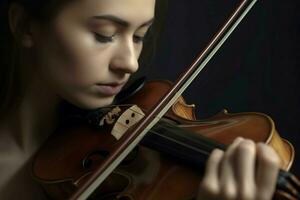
point(222, 127)
point(71, 154)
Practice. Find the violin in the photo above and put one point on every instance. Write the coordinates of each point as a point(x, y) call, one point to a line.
point(173, 151)
point(101, 147)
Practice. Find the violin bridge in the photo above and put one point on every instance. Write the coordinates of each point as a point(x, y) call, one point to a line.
point(126, 120)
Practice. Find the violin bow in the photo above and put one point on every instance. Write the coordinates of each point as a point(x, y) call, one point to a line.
point(132, 139)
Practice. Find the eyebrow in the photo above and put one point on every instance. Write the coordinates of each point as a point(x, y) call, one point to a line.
point(120, 21)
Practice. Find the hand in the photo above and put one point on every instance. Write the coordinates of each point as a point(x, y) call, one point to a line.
point(245, 171)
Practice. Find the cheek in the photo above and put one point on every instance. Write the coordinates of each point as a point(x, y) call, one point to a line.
point(72, 72)
point(72, 61)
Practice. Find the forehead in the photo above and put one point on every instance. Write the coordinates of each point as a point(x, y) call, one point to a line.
point(133, 11)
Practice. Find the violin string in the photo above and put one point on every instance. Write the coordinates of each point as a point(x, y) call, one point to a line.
point(182, 144)
point(176, 137)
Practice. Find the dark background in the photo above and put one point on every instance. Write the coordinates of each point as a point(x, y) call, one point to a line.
point(257, 69)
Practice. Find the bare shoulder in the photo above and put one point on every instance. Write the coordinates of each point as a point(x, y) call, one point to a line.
point(15, 173)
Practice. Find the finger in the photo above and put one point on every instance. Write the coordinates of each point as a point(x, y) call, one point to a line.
point(209, 187)
point(267, 171)
point(245, 165)
point(227, 175)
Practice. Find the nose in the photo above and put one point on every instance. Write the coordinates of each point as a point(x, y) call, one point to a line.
point(125, 59)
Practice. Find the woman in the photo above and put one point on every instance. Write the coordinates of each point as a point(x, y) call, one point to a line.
point(84, 52)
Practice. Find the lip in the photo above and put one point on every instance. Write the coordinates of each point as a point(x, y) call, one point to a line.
point(109, 89)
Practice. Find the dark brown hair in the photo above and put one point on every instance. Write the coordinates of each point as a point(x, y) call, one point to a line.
point(11, 87)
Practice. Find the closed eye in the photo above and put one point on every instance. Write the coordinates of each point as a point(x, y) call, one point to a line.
point(106, 39)
point(103, 38)
point(138, 39)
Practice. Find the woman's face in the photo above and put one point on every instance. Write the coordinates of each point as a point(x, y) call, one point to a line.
point(89, 50)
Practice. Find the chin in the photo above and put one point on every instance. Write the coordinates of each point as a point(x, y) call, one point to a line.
point(89, 102)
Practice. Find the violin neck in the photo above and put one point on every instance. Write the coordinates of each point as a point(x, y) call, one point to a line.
point(181, 144)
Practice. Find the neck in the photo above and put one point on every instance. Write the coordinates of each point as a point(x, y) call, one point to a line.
point(35, 117)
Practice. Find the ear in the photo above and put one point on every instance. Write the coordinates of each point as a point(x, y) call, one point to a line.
point(20, 25)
